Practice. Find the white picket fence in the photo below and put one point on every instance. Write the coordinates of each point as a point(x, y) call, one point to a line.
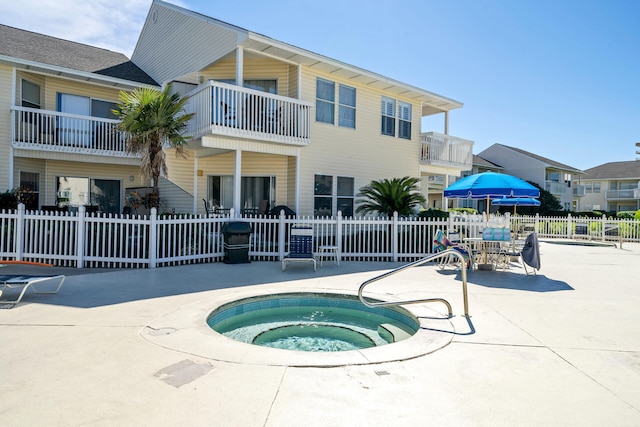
point(88, 240)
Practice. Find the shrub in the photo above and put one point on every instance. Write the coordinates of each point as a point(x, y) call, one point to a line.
point(433, 213)
point(9, 200)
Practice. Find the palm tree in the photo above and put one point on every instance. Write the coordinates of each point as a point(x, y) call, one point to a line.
point(386, 196)
point(152, 118)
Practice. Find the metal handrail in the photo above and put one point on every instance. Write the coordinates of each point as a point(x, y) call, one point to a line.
point(425, 260)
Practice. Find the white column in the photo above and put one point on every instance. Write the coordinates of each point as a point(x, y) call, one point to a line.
point(445, 201)
point(297, 184)
point(239, 66)
point(195, 186)
point(237, 182)
point(446, 123)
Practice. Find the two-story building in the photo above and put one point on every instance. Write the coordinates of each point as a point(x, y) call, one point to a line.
point(278, 123)
point(274, 124)
point(57, 129)
point(562, 181)
point(612, 187)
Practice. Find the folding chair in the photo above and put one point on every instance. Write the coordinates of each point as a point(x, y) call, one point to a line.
point(442, 243)
point(300, 247)
point(10, 281)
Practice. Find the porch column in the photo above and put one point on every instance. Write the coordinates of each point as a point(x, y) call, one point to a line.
point(239, 66)
point(446, 123)
point(445, 201)
point(195, 186)
point(297, 189)
point(237, 182)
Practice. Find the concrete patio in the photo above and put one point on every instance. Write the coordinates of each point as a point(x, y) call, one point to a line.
point(559, 348)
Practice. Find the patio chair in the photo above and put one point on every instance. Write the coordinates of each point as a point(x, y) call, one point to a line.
point(300, 247)
point(442, 243)
point(9, 281)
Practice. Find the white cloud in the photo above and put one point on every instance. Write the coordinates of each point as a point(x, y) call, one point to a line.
point(104, 23)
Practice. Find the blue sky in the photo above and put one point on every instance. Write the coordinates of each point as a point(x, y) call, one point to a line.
point(558, 78)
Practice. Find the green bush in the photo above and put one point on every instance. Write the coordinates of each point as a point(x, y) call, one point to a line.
point(469, 211)
point(626, 214)
point(637, 215)
point(9, 200)
point(433, 213)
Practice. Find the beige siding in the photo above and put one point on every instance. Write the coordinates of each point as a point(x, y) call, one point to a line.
point(362, 153)
point(6, 77)
point(180, 43)
point(254, 68)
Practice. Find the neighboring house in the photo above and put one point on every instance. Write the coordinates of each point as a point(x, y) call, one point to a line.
point(280, 124)
point(479, 165)
point(612, 187)
point(562, 181)
point(57, 136)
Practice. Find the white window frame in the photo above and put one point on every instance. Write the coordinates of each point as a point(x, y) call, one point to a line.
point(388, 112)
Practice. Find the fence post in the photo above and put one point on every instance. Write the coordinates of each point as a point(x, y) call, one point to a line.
point(536, 225)
point(569, 227)
point(604, 225)
point(394, 237)
point(281, 234)
point(153, 238)
point(19, 236)
point(80, 236)
point(339, 234)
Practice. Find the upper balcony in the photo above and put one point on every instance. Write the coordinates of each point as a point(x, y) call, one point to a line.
point(555, 187)
point(228, 110)
point(446, 151)
point(579, 190)
point(628, 194)
point(35, 129)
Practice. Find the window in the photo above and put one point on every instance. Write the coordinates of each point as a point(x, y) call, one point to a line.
point(404, 120)
point(325, 101)
point(345, 195)
point(326, 196)
point(322, 191)
point(75, 192)
point(347, 106)
point(30, 94)
point(253, 190)
point(596, 187)
point(388, 116)
point(30, 190)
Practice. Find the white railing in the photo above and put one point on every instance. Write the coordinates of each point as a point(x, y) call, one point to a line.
point(36, 129)
point(446, 150)
point(631, 193)
point(555, 187)
point(129, 241)
point(225, 109)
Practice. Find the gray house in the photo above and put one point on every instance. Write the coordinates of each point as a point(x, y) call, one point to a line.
point(613, 186)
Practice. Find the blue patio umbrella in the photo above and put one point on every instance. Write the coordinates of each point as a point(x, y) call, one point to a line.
point(516, 201)
point(490, 185)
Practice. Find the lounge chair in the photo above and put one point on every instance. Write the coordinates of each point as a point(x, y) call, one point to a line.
point(9, 281)
point(442, 243)
point(300, 247)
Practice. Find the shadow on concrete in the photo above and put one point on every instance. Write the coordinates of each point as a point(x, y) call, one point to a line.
point(516, 280)
point(87, 288)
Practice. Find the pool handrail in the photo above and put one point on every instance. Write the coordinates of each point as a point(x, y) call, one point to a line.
point(425, 260)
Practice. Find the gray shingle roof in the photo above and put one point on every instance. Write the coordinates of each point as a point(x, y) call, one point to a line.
point(549, 162)
point(40, 48)
point(479, 161)
point(615, 170)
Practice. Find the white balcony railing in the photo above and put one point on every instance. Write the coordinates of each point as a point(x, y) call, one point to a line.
point(446, 150)
point(555, 187)
point(35, 129)
point(579, 190)
point(628, 194)
point(229, 110)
